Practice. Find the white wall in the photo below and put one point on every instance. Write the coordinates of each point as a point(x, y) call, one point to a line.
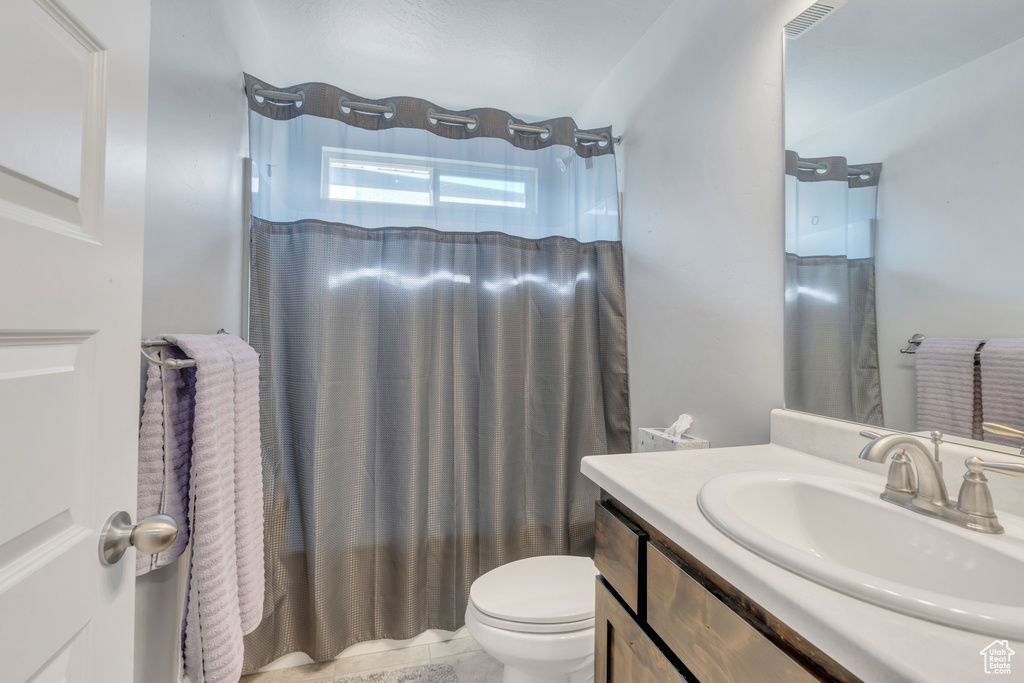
point(698, 102)
point(950, 207)
point(197, 139)
point(192, 280)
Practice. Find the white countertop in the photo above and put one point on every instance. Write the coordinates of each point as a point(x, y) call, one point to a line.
point(871, 642)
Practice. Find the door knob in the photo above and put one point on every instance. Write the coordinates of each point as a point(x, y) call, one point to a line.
point(152, 535)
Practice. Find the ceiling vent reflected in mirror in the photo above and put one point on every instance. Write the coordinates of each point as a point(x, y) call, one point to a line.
point(812, 16)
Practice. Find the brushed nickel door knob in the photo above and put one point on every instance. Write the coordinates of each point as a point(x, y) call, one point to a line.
point(152, 535)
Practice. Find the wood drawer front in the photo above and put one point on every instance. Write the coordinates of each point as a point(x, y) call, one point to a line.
point(623, 653)
point(713, 641)
point(620, 555)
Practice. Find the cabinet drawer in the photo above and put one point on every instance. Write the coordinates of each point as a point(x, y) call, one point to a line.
point(620, 551)
point(623, 653)
point(713, 641)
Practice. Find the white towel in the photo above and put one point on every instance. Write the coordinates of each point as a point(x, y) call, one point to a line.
point(165, 453)
point(1002, 386)
point(948, 392)
point(225, 581)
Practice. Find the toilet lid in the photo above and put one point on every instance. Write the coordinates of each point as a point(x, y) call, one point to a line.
point(553, 589)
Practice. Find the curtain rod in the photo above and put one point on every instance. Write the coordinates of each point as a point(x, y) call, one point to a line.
point(431, 114)
point(851, 171)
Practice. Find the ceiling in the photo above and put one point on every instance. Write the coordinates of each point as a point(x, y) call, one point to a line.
point(536, 58)
point(871, 50)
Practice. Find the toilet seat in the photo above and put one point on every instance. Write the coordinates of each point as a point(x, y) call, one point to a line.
point(526, 626)
point(548, 594)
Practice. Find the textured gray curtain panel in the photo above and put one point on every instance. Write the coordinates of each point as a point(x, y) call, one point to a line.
point(426, 400)
point(831, 343)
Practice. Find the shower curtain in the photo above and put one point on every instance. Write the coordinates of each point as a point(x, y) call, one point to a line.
point(831, 338)
point(441, 315)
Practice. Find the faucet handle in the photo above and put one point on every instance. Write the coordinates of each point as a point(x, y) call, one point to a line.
point(1002, 430)
point(870, 435)
point(975, 498)
point(976, 465)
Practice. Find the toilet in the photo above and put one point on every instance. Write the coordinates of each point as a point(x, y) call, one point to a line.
point(536, 616)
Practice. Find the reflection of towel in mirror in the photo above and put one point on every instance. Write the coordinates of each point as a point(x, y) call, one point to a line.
point(1002, 386)
point(948, 387)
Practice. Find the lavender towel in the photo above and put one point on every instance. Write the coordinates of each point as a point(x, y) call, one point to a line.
point(948, 388)
point(1002, 386)
point(249, 483)
point(224, 505)
point(165, 453)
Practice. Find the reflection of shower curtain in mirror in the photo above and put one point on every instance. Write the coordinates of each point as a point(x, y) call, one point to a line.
point(831, 334)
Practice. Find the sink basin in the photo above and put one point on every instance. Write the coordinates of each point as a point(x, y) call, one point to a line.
point(842, 535)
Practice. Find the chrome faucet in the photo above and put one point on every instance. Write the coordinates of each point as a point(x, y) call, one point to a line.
point(930, 489)
point(926, 494)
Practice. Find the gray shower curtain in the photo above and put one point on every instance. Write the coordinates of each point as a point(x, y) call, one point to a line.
point(426, 400)
point(427, 393)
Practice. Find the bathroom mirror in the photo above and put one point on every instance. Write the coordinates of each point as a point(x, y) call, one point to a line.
point(931, 241)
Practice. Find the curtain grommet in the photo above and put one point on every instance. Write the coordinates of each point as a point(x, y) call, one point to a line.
point(434, 118)
point(269, 97)
point(349, 108)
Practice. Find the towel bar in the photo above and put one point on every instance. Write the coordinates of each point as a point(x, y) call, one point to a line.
point(916, 340)
point(169, 363)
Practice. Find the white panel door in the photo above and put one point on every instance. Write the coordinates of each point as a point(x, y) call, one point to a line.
point(72, 182)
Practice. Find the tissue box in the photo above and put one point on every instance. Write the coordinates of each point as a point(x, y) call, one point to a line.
point(654, 441)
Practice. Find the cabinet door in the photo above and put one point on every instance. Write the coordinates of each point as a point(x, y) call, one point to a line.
point(712, 640)
point(620, 551)
point(623, 652)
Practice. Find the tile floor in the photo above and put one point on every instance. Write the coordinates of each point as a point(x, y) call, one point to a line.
point(471, 664)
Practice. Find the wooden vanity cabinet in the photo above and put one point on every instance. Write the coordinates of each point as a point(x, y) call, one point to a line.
point(624, 651)
point(662, 616)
